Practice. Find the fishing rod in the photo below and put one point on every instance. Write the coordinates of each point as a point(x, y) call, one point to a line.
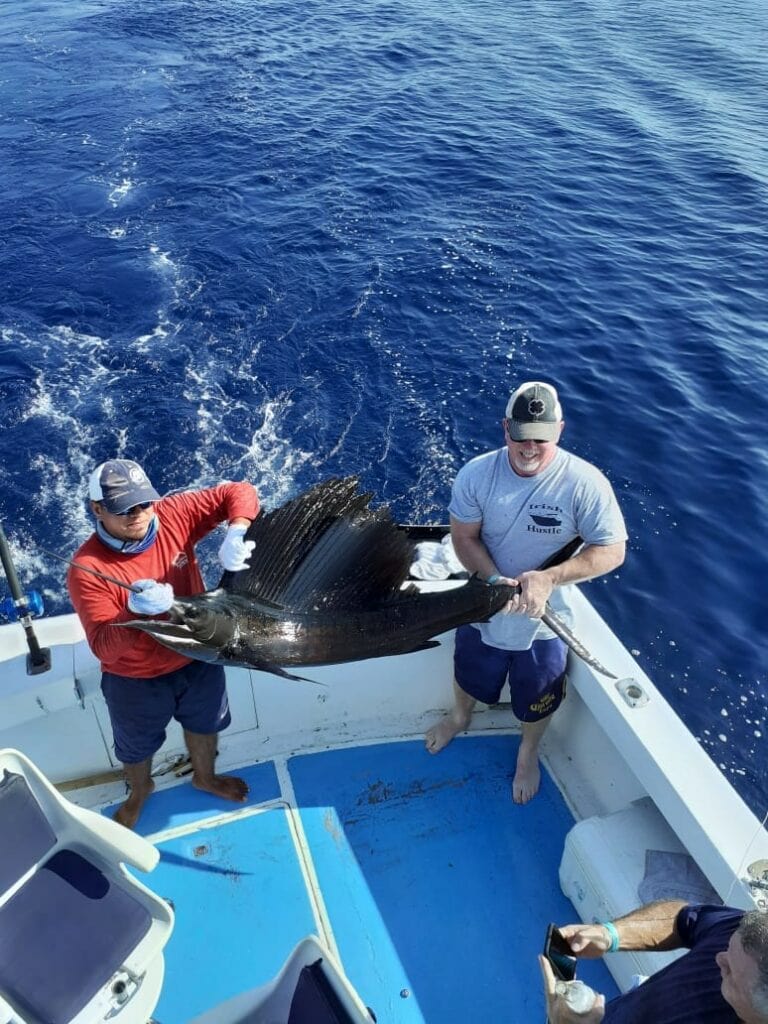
point(23, 607)
point(94, 572)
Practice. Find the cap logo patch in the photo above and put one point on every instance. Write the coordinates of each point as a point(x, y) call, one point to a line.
point(536, 407)
point(136, 475)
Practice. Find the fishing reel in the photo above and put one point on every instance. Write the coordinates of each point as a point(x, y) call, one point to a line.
point(20, 607)
point(28, 605)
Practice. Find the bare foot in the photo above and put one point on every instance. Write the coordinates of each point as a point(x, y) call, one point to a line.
point(227, 786)
point(128, 813)
point(441, 734)
point(525, 784)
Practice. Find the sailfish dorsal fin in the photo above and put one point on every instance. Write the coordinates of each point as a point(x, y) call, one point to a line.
point(324, 549)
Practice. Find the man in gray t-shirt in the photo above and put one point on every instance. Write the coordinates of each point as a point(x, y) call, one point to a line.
point(511, 509)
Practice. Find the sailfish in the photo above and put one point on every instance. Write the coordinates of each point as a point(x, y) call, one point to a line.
point(326, 583)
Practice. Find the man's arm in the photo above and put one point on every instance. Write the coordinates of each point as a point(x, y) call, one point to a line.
point(592, 561)
point(100, 605)
point(470, 550)
point(558, 1010)
point(652, 927)
point(537, 586)
point(195, 513)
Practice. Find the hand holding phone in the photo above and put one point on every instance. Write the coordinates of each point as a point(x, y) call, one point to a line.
point(558, 953)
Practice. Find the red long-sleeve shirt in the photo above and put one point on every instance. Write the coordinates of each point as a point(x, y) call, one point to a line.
point(184, 519)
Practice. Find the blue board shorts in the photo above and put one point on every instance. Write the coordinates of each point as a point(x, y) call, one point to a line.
point(140, 709)
point(536, 676)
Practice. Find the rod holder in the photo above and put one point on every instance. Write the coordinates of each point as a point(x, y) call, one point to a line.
point(39, 658)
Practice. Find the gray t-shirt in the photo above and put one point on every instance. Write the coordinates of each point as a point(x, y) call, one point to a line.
point(527, 519)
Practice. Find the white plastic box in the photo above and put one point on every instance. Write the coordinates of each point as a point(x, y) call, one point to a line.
point(602, 867)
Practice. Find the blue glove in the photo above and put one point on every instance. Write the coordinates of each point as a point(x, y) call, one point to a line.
point(153, 599)
point(234, 551)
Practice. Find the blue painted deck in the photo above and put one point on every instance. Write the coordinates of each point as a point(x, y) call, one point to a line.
point(437, 887)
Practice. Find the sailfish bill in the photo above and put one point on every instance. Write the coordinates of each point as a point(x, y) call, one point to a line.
point(559, 628)
point(325, 586)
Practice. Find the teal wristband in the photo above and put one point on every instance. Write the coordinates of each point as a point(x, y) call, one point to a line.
point(611, 929)
point(494, 579)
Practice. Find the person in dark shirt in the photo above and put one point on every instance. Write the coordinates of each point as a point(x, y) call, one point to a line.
point(723, 979)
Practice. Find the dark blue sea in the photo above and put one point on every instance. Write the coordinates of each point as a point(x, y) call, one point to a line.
point(284, 241)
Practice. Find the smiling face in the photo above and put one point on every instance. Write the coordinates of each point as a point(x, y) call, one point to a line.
point(527, 458)
point(740, 975)
point(132, 526)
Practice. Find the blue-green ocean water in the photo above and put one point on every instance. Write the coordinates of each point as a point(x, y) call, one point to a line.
point(282, 241)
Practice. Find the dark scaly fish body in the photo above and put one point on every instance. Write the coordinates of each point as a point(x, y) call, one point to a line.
point(238, 631)
point(324, 586)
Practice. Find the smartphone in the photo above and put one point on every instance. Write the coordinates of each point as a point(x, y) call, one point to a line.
point(559, 954)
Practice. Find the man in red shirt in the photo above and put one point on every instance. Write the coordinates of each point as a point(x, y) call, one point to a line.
point(149, 541)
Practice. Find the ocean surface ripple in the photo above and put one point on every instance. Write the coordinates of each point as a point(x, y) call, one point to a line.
point(281, 242)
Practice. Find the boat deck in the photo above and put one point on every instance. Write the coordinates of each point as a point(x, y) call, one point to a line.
point(431, 886)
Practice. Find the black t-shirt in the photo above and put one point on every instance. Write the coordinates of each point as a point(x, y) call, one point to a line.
point(688, 990)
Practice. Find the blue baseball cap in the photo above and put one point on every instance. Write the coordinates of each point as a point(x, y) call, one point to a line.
point(119, 484)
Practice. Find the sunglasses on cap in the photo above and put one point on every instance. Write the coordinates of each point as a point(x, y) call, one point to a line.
point(136, 508)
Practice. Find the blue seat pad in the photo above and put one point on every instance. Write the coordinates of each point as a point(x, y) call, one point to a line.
point(314, 999)
point(63, 935)
point(25, 834)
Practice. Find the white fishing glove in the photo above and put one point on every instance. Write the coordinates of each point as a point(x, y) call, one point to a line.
point(234, 551)
point(154, 598)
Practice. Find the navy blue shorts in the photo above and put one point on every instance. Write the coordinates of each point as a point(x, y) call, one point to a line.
point(536, 676)
point(140, 709)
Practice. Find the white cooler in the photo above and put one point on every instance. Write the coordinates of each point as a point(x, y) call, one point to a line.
point(602, 866)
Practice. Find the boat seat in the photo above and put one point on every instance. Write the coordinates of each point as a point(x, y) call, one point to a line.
point(315, 1000)
point(602, 870)
point(310, 988)
point(31, 837)
point(81, 939)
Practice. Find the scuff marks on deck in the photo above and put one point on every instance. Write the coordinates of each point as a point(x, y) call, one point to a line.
point(379, 791)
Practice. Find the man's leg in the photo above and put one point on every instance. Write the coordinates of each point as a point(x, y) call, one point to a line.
point(139, 710)
point(202, 709)
point(537, 685)
point(479, 668)
point(527, 780)
point(456, 721)
point(139, 780)
point(202, 754)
